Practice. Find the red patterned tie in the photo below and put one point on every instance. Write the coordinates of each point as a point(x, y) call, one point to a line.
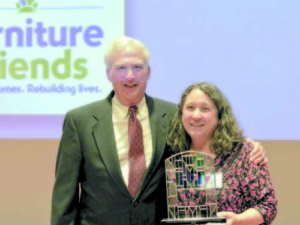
point(137, 164)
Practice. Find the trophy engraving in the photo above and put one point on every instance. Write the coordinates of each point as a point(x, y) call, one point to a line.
point(191, 189)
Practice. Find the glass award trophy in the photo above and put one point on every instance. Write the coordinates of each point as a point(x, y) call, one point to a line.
point(191, 189)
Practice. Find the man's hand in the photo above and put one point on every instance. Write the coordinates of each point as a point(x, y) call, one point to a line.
point(257, 155)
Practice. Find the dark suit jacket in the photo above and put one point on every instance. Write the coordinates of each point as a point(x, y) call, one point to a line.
point(87, 157)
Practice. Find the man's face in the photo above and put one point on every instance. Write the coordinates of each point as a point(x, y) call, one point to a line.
point(129, 75)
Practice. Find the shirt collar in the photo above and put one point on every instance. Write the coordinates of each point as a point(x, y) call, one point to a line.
point(123, 110)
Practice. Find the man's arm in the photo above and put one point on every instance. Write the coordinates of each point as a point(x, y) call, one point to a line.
point(65, 196)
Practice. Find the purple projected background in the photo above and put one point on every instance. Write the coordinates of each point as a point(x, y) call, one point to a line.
point(250, 49)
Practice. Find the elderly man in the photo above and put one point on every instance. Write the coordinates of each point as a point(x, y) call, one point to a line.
point(110, 162)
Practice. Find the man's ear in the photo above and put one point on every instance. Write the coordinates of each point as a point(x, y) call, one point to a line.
point(108, 74)
point(148, 72)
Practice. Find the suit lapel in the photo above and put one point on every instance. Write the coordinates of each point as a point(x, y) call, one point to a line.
point(103, 133)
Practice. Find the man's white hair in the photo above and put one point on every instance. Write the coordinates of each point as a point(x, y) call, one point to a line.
point(120, 44)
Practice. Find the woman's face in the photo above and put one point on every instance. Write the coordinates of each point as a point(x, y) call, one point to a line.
point(199, 115)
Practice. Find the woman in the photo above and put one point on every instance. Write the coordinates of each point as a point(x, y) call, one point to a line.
point(205, 123)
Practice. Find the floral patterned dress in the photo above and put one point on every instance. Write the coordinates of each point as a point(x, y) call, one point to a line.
point(245, 184)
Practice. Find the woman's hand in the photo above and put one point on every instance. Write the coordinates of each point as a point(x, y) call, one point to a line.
point(249, 217)
point(231, 219)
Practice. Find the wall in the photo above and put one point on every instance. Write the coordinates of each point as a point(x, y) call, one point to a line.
point(27, 177)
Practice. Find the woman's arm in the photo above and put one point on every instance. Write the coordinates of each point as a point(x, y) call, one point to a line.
point(258, 191)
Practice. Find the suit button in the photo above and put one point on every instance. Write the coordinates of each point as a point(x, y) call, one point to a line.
point(135, 203)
